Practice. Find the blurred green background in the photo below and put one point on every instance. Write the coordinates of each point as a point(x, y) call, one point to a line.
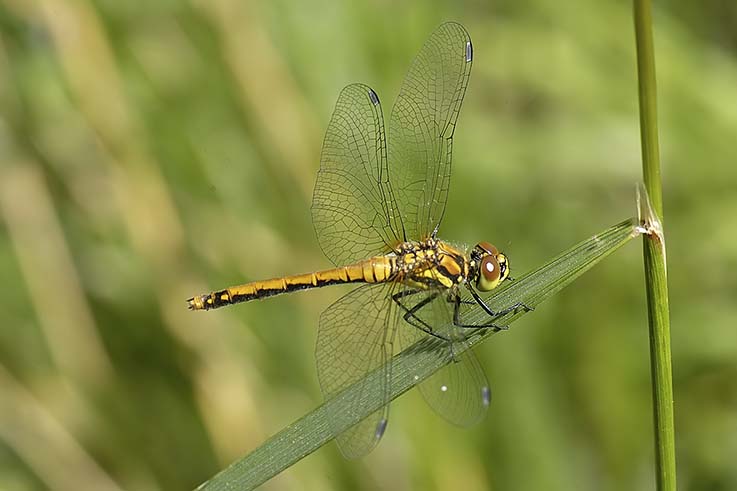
point(153, 150)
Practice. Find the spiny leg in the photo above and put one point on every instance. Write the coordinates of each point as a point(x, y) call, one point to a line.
point(500, 313)
point(409, 313)
point(456, 299)
point(457, 302)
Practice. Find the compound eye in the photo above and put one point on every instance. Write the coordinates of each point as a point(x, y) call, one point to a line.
point(489, 274)
point(487, 247)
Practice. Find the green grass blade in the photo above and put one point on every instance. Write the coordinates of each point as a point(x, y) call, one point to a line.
point(414, 365)
point(654, 254)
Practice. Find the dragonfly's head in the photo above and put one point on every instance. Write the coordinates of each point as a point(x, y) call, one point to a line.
point(490, 267)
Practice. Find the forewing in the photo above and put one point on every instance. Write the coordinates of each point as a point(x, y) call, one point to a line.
point(422, 124)
point(353, 208)
point(459, 391)
point(355, 337)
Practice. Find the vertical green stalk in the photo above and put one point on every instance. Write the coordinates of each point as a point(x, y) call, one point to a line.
point(654, 255)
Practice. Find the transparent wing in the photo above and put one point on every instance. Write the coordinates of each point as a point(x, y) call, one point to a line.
point(353, 209)
point(421, 128)
point(459, 391)
point(355, 337)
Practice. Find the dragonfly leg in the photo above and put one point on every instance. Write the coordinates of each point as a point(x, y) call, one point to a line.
point(504, 311)
point(409, 313)
point(494, 315)
point(456, 300)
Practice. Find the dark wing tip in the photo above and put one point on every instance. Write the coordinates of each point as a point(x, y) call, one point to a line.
point(372, 95)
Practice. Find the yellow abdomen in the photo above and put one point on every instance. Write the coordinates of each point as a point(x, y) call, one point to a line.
point(374, 270)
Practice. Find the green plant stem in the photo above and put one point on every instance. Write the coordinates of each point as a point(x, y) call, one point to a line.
point(654, 255)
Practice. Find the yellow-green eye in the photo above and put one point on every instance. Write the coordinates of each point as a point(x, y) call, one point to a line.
point(489, 274)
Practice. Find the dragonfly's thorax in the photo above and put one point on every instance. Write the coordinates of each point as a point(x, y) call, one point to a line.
point(430, 264)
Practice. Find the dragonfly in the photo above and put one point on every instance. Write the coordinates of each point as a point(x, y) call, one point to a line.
point(376, 209)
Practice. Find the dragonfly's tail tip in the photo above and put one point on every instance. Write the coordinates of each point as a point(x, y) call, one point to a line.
point(196, 303)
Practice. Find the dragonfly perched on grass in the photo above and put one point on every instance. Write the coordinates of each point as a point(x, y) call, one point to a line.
point(377, 208)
